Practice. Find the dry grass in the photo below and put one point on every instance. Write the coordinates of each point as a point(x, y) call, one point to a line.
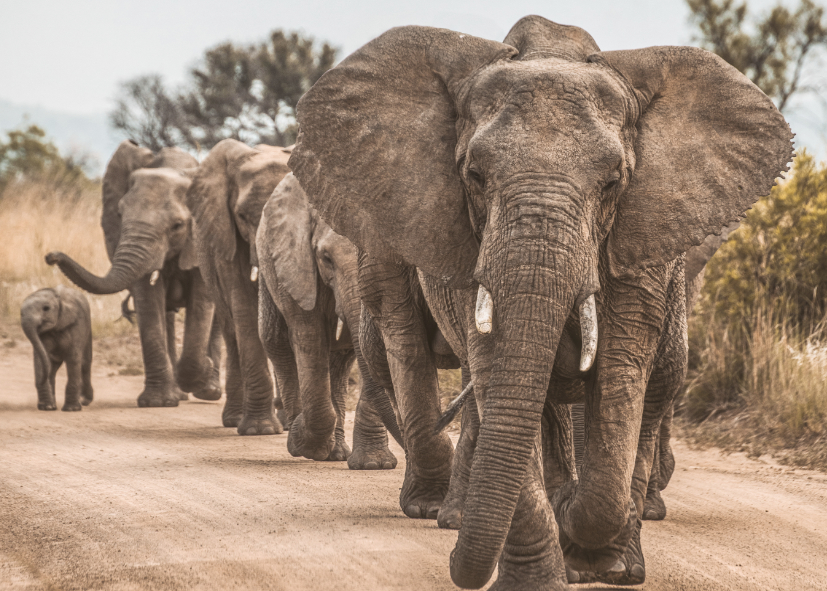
point(35, 220)
point(761, 391)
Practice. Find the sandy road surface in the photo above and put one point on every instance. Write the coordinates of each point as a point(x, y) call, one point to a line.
point(117, 497)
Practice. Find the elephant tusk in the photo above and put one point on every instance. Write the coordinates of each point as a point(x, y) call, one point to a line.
point(484, 314)
point(153, 279)
point(588, 332)
point(254, 274)
point(453, 408)
point(339, 326)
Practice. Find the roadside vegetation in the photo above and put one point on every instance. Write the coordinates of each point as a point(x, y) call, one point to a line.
point(758, 338)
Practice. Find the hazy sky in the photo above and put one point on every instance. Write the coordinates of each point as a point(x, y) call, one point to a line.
point(69, 55)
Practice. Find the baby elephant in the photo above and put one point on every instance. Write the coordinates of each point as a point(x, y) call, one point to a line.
point(58, 323)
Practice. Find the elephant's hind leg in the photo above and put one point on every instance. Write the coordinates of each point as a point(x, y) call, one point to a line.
point(341, 363)
point(87, 394)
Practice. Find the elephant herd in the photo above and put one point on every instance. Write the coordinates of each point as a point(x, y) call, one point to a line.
point(536, 212)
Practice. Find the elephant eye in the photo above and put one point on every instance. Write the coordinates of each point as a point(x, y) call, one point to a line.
point(177, 225)
point(46, 308)
point(613, 180)
point(475, 176)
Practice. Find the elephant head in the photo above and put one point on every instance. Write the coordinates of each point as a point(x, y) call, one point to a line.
point(512, 165)
point(145, 218)
point(230, 190)
point(302, 249)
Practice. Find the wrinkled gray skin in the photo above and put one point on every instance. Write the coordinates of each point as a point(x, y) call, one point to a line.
point(148, 228)
point(226, 198)
point(307, 282)
point(58, 323)
point(546, 171)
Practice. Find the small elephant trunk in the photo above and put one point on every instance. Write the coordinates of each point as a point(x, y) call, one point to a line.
point(42, 365)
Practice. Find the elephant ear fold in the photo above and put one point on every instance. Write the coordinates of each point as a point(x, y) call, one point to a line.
point(376, 147)
point(709, 144)
point(188, 259)
point(127, 158)
point(537, 38)
point(283, 242)
point(211, 194)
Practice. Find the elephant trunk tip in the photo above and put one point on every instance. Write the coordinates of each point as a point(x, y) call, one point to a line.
point(54, 257)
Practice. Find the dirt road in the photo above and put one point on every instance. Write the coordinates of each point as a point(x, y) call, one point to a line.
point(121, 498)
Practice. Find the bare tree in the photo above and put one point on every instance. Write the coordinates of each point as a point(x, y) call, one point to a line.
point(773, 51)
point(146, 112)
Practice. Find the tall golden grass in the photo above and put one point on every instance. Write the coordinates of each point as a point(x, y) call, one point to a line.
point(37, 216)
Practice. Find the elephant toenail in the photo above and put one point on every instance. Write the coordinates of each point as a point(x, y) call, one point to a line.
point(638, 573)
point(618, 567)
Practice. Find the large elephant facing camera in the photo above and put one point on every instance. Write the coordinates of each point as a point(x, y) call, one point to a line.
point(227, 196)
point(526, 176)
point(149, 239)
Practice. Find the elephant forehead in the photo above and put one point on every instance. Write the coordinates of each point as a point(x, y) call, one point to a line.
point(551, 90)
point(158, 183)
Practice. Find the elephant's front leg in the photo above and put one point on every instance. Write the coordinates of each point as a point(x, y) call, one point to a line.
point(341, 363)
point(150, 307)
point(387, 290)
point(172, 351)
point(312, 432)
point(272, 329)
point(195, 370)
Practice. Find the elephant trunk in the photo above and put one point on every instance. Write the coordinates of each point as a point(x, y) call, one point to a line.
point(532, 298)
point(42, 366)
point(137, 254)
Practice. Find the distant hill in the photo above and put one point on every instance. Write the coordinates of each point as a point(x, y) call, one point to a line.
point(70, 132)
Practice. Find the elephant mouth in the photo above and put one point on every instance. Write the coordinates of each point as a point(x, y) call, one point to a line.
point(587, 312)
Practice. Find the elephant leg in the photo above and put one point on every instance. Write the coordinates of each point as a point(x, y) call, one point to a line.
point(654, 509)
point(214, 353)
point(341, 363)
point(313, 431)
point(274, 336)
point(233, 385)
point(390, 293)
point(666, 459)
point(531, 557)
point(370, 436)
point(46, 392)
point(450, 514)
point(196, 371)
point(87, 393)
point(159, 381)
point(665, 381)
point(172, 351)
point(74, 383)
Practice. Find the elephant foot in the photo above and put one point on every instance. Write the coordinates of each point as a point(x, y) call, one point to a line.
point(371, 459)
point(545, 572)
point(654, 509)
point(630, 569)
point(302, 444)
point(155, 398)
point(85, 401)
point(421, 498)
point(265, 425)
point(232, 415)
point(450, 514)
point(46, 406)
point(340, 452)
point(210, 392)
point(71, 407)
point(181, 394)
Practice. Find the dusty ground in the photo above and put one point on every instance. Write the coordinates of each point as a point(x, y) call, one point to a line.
point(117, 497)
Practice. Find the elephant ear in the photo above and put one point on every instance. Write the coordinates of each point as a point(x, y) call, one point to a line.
point(709, 143)
point(212, 194)
point(537, 38)
point(127, 158)
point(72, 304)
point(376, 148)
point(284, 239)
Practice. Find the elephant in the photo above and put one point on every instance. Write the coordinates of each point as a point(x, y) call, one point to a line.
point(149, 239)
point(546, 192)
point(58, 323)
point(309, 314)
point(227, 195)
